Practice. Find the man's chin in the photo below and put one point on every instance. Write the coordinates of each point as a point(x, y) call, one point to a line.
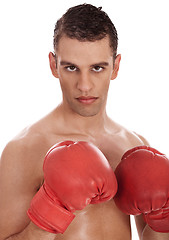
point(85, 113)
point(86, 110)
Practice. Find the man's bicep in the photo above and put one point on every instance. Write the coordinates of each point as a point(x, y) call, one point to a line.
point(16, 191)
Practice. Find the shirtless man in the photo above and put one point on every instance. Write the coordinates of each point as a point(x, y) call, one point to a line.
point(85, 60)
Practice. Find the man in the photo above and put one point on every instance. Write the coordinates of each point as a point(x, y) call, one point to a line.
point(85, 60)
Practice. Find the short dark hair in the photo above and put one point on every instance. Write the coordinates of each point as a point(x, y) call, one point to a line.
point(86, 22)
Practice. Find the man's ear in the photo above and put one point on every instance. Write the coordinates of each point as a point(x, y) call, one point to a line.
point(52, 62)
point(116, 66)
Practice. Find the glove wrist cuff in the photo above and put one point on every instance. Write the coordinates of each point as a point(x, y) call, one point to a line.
point(47, 214)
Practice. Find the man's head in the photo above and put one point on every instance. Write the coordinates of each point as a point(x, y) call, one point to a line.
point(85, 59)
point(86, 23)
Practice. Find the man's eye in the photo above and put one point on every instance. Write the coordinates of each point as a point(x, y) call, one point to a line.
point(97, 69)
point(71, 68)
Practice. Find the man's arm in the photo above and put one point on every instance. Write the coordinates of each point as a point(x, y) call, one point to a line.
point(19, 182)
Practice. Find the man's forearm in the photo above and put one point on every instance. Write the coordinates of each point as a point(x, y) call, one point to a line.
point(149, 234)
point(32, 232)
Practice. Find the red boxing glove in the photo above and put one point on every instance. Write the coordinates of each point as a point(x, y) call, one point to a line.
point(75, 174)
point(143, 186)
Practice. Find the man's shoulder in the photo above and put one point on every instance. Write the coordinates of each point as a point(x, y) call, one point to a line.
point(28, 139)
point(27, 148)
point(127, 135)
point(135, 139)
point(34, 136)
point(33, 142)
point(142, 138)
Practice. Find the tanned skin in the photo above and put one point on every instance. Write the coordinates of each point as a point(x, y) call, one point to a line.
point(85, 70)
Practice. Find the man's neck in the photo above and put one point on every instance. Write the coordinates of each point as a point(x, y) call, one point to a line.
point(83, 125)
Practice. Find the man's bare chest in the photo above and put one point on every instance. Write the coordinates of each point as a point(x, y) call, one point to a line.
point(113, 146)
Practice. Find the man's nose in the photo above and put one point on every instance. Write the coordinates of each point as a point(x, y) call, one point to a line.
point(84, 83)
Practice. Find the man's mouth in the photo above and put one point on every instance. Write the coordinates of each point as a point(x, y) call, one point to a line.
point(87, 100)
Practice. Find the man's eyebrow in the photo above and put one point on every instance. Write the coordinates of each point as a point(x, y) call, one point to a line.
point(100, 64)
point(65, 63)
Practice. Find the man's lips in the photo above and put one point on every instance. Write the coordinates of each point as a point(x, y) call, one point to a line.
point(87, 100)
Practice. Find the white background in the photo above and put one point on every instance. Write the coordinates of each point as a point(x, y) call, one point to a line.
point(138, 98)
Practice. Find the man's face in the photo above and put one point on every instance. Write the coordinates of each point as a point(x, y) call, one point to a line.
point(84, 70)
